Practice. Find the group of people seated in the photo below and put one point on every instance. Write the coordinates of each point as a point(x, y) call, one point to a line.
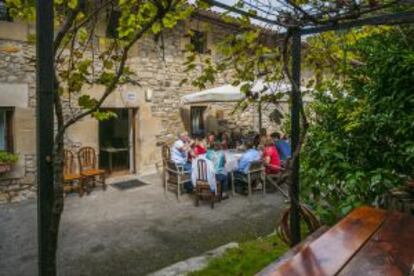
point(272, 149)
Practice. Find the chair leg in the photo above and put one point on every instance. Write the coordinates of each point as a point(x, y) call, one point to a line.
point(88, 185)
point(197, 200)
point(233, 189)
point(164, 180)
point(179, 189)
point(271, 180)
point(103, 178)
point(264, 184)
point(213, 197)
point(249, 185)
point(219, 192)
point(80, 187)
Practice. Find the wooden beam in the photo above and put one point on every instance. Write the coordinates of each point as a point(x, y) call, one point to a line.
point(388, 19)
point(44, 128)
point(295, 137)
point(241, 12)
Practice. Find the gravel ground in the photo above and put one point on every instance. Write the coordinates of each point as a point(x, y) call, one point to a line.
point(132, 232)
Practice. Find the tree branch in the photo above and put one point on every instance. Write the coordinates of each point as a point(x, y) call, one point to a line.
point(65, 27)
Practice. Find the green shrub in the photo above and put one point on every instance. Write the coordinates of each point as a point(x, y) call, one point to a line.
point(361, 141)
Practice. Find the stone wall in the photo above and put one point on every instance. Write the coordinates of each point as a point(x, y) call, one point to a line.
point(17, 89)
point(163, 76)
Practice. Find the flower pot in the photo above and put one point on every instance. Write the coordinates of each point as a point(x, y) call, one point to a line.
point(4, 168)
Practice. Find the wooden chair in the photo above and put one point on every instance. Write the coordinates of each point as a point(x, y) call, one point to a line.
point(175, 178)
point(256, 173)
point(88, 167)
point(166, 156)
point(274, 178)
point(70, 176)
point(202, 189)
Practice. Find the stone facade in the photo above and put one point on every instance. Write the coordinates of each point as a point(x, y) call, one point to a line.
point(156, 120)
point(17, 90)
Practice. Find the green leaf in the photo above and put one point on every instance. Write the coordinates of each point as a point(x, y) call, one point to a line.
point(103, 115)
point(86, 102)
point(156, 27)
point(108, 64)
point(72, 4)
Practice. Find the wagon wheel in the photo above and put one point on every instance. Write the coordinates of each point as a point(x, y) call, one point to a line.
point(311, 221)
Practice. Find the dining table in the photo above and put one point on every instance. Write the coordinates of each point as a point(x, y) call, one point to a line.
point(232, 159)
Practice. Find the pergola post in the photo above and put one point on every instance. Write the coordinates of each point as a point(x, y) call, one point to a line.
point(44, 133)
point(295, 134)
point(259, 109)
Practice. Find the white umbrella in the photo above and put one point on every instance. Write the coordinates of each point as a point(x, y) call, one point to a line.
point(225, 93)
point(230, 93)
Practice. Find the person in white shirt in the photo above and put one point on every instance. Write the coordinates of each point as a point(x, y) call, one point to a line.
point(180, 149)
point(179, 155)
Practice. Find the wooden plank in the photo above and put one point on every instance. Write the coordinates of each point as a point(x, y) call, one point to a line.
point(329, 253)
point(292, 252)
point(390, 251)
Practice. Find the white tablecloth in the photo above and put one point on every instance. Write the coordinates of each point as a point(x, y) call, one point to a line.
point(232, 159)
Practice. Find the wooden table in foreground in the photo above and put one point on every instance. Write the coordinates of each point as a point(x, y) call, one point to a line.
point(366, 242)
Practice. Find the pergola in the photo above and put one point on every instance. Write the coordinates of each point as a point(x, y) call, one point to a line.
point(296, 33)
point(45, 101)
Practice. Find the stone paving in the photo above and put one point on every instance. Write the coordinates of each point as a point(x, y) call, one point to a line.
point(132, 232)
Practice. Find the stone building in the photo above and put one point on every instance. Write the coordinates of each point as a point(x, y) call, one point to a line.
point(148, 115)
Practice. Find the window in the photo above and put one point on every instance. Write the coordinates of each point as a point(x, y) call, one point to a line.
point(197, 120)
point(4, 12)
point(6, 135)
point(199, 42)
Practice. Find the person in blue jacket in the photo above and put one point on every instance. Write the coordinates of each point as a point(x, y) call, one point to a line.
point(283, 146)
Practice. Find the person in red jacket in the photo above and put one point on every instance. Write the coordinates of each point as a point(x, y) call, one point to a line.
point(271, 157)
point(200, 147)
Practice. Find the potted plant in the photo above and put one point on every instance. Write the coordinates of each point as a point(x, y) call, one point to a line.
point(7, 160)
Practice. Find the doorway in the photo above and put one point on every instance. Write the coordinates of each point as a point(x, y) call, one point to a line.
point(116, 142)
point(197, 120)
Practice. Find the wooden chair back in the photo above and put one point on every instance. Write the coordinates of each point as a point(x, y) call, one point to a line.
point(202, 189)
point(172, 171)
point(201, 170)
point(256, 165)
point(256, 170)
point(171, 165)
point(69, 166)
point(87, 158)
point(165, 152)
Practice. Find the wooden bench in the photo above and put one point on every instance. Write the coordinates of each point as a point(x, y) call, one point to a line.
point(366, 242)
